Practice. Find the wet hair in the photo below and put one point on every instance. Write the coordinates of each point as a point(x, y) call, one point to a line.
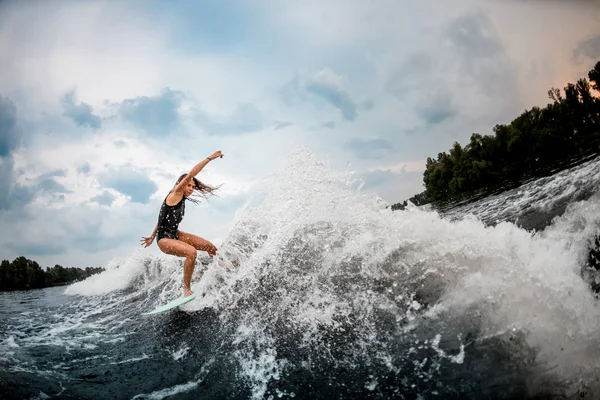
point(200, 189)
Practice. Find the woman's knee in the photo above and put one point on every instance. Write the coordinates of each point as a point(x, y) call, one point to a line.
point(191, 253)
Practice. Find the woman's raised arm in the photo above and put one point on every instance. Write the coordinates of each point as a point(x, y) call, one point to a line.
point(195, 170)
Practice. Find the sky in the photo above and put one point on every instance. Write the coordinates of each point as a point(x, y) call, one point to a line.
point(103, 104)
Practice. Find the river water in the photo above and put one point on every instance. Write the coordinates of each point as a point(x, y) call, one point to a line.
point(331, 295)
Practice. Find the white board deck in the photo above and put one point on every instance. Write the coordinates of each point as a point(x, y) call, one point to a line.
point(172, 304)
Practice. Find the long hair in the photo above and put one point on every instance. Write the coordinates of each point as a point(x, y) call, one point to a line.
point(200, 189)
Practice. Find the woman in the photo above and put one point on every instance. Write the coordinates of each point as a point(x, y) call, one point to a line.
point(170, 239)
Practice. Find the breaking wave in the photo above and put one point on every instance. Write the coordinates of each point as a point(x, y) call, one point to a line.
point(331, 294)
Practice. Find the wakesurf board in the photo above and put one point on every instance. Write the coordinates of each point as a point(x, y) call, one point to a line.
point(172, 304)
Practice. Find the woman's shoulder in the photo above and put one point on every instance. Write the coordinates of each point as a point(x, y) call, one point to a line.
point(173, 199)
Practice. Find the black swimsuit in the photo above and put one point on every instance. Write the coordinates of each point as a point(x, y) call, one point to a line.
point(169, 219)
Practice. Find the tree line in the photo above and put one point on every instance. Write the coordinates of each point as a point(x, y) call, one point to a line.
point(24, 274)
point(537, 142)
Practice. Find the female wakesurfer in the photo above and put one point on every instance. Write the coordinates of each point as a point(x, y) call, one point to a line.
point(169, 238)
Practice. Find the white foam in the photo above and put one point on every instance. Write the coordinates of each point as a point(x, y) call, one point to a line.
point(541, 194)
point(456, 359)
point(118, 275)
point(319, 248)
point(181, 353)
point(260, 366)
point(10, 342)
point(177, 389)
point(133, 359)
point(41, 396)
point(74, 327)
point(516, 278)
point(168, 392)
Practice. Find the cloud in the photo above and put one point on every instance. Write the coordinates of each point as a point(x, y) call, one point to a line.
point(589, 48)
point(22, 195)
point(465, 79)
point(46, 182)
point(282, 125)
point(163, 114)
point(367, 105)
point(548, 2)
point(472, 36)
point(436, 108)
point(373, 149)
point(77, 228)
point(10, 139)
point(130, 182)
point(157, 115)
point(393, 186)
point(244, 118)
point(18, 196)
point(291, 93)
point(378, 177)
point(483, 57)
point(230, 203)
point(329, 86)
point(83, 169)
point(48, 247)
point(439, 73)
point(93, 239)
point(6, 182)
point(104, 199)
point(408, 75)
point(10, 134)
point(81, 114)
point(436, 113)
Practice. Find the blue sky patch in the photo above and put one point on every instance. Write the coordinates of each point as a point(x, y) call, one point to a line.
point(133, 183)
point(157, 115)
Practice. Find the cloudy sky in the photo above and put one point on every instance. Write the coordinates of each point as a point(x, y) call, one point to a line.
point(104, 103)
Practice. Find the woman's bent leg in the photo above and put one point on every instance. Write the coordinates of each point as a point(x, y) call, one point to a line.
point(180, 249)
point(198, 243)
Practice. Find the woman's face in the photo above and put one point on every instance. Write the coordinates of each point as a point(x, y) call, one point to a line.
point(189, 189)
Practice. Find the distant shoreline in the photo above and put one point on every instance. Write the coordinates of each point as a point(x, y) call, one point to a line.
point(23, 274)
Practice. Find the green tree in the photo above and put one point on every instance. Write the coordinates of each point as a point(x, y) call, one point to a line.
point(539, 140)
point(25, 274)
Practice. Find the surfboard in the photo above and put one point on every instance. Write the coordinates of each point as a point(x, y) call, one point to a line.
point(172, 304)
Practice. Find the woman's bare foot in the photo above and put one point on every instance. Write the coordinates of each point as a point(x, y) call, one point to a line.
point(187, 292)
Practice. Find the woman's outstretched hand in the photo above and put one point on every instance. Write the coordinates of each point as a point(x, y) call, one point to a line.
point(216, 154)
point(147, 241)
